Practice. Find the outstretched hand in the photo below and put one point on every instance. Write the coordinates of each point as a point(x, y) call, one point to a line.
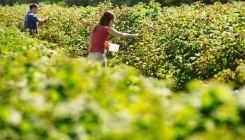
point(106, 44)
point(46, 19)
point(136, 36)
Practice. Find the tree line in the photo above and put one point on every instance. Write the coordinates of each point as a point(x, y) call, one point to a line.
point(96, 2)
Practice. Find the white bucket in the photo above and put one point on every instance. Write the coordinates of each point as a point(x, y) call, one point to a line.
point(113, 47)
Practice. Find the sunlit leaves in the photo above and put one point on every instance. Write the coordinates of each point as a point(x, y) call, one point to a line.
point(216, 32)
point(47, 95)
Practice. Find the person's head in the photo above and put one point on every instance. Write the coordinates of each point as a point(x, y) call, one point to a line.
point(107, 19)
point(33, 8)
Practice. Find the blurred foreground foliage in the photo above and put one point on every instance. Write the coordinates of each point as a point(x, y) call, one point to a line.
point(46, 95)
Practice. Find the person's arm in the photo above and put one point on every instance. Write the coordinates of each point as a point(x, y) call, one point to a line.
point(121, 34)
point(43, 21)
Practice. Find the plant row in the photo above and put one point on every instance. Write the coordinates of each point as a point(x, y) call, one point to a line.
point(183, 43)
point(45, 95)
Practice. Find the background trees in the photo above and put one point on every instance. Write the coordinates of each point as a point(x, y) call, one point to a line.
point(96, 2)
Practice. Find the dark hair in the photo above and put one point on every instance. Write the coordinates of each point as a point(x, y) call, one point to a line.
point(105, 20)
point(33, 5)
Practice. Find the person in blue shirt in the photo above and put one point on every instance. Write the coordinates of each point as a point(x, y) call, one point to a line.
point(31, 19)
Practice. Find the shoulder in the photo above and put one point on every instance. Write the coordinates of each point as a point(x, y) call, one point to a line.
point(31, 15)
point(107, 27)
point(101, 28)
point(110, 29)
point(104, 28)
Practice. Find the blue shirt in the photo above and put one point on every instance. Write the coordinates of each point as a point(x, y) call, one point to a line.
point(31, 22)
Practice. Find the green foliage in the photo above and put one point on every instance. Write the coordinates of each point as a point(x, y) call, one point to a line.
point(183, 43)
point(116, 2)
point(46, 95)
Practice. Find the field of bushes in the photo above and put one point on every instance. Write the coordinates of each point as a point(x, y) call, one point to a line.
point(182, 80)
point(183, 43)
